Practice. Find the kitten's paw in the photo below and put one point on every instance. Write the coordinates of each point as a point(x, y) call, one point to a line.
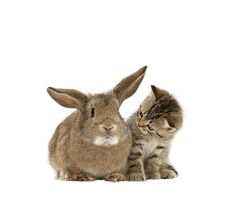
point(168, 173)
point(136, 177)
point(83, 177)
point(64, 175)
point(153, 175)
point(115, 177)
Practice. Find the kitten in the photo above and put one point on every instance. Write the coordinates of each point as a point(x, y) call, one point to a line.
point(153, 126)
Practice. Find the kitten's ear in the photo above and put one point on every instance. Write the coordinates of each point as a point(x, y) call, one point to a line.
point(158, 93)
point(167, 127)
point(69, 98)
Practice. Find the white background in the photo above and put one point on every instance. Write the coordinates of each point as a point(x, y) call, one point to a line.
point(189, 47)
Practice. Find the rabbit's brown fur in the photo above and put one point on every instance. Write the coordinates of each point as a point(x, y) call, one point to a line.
point(94, 141)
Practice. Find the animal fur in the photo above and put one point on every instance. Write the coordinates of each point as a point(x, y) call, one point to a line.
point(93, 142)
point(153, 126)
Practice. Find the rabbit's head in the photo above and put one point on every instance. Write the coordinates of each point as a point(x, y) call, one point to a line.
point(99, 120)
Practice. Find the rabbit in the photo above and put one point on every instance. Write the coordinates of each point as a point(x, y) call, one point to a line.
point(93, 142)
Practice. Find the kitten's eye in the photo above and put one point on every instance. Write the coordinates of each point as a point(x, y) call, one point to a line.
point(92, 112)
point(150, 128)
point(141, 114)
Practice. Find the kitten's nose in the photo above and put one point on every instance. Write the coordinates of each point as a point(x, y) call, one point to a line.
point(142, 123)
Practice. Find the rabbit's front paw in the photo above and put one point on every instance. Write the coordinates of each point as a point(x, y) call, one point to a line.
point(83, 177)
point(115, 177)
point(168, 173)
point(63, 175)
point(137, 176)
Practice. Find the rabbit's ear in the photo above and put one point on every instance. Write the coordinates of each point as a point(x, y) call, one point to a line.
point(69, 98)
point(128, 86)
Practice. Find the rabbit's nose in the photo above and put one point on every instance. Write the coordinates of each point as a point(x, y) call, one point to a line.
point(107, 129)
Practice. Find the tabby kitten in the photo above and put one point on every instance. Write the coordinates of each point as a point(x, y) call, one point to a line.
point(153, 126)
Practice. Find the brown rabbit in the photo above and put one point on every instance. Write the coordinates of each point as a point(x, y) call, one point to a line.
point(93, 142)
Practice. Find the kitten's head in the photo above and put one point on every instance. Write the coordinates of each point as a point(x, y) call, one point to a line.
point(159, 115)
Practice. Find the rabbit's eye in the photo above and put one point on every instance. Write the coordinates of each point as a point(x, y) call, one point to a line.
point(92, 112)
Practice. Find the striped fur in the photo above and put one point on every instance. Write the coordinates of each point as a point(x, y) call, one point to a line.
point(153, 127)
